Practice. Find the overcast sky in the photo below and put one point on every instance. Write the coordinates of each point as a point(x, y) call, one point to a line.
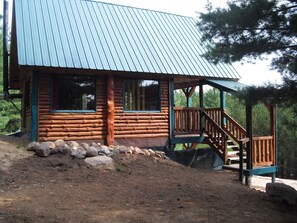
point(252, 74)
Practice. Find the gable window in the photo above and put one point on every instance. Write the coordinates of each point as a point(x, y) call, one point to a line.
point(74, 93)
point(141, 95)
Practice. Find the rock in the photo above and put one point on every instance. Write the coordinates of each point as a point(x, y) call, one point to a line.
point(93, 144)
point(91, 152)
point(282, 193)
point(73, 143)
point(85, 145)
point(60, 143)
point(160, 154)
point(152, 152)
point(139, 151)
point(104, 147)
point(44, 149)
point(123, 149)
point(146, 152)
point(65, 150)
point(104, 151)
point(102, 162)
point(81, 154)
point(32, 146)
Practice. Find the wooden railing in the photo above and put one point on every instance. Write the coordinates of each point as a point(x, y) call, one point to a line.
point(235, 130)
point(263, 151)
point(214, 114)
point(217, 137)
point(187, 120)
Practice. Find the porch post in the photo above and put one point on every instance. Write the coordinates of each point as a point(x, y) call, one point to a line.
point(110, 110)
point(189, 98)
point(34, 97)
point(201, 101)
point(171, 110)
point(223, 106)
point(249, 145)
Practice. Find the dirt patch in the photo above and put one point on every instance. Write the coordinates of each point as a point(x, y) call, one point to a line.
point(141, 189)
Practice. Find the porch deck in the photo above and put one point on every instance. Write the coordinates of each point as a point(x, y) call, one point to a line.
point(220, 131)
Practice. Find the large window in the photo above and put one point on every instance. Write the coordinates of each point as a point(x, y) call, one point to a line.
point(74, 93)
point(141, 95)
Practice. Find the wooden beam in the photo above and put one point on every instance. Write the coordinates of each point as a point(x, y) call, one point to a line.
point(192, 90)
point(110, 111)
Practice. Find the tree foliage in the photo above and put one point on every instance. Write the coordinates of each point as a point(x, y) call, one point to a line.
point(253, 29)
point(10, 116)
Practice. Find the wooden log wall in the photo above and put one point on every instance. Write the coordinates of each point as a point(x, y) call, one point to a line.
point(141, 124)
point(70, 126)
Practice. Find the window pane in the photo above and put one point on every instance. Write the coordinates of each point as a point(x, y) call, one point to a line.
point(141, 95)
point(74, 93)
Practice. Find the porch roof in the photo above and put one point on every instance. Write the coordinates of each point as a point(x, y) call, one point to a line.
point(93, 35)
point(226, 85)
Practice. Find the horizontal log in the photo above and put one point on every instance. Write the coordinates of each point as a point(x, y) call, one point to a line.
point(93, 125)
point(143, 128)
point(71, 138)
point(71, 134)
point(140, 136)
point(68, 121)
point(142, 132)
point(85, 129)
point(144, 122)
point(69, 116)
point(164, 124)
point(142, 116)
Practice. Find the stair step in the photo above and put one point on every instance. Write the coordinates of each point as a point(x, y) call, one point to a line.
point(235, 158)
point(233, 147)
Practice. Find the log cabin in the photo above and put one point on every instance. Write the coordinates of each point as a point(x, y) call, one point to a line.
point(89, 70)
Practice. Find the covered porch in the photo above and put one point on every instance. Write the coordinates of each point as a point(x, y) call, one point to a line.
point(236, 145)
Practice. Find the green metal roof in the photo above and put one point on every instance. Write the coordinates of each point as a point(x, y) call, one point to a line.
point(94, 35)
point(226, 85)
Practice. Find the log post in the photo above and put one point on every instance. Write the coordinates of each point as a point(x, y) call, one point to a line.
point(110, 110)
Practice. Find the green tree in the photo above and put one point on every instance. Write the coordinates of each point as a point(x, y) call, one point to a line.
point(10, 116)
point(253, 29)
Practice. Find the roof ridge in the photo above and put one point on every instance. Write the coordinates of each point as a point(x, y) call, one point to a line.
point(134, 7)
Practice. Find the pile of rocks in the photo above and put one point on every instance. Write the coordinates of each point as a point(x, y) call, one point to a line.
point(94, 154)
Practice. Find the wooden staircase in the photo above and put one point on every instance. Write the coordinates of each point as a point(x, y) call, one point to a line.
point(224, 141)
point(224, 135)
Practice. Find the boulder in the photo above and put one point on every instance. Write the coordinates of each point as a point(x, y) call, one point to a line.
point(73, 143)
point(91, 152)
point(123, 149)
point(32, 146)
point(102, 162)
point(103, 150)
point(152, 152)
point(146, 152)
point(138, 151)
point(60, 143)
point(85, 145)
point(93, 144)
point(160, 154)
point(44, 149)
point(282, 193)
point(65, 150)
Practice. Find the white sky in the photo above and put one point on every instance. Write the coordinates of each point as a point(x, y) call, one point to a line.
point(252, 74)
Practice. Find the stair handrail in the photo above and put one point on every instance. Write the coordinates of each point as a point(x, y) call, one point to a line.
point(221, 137)
point(241, 132)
